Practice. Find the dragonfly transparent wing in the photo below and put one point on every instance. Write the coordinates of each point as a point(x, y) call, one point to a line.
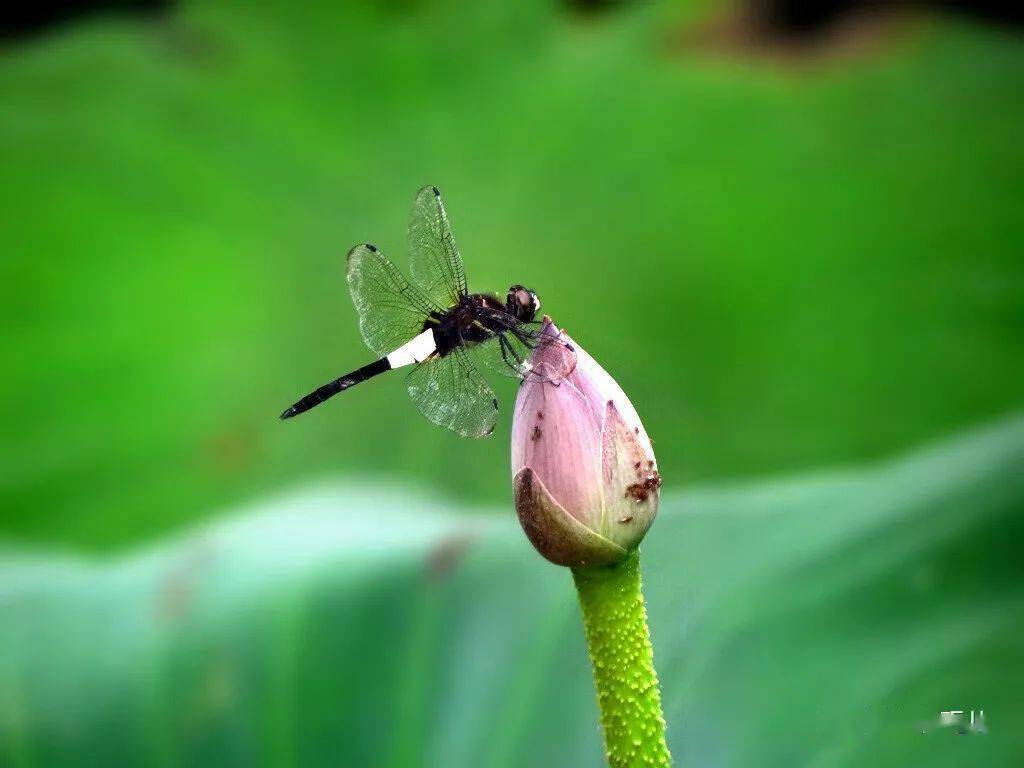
point(526, 353)
point(450, 392)
point(391, 311)
point(434, 259)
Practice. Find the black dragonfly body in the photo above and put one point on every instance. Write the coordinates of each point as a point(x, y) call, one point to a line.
point(440, 328)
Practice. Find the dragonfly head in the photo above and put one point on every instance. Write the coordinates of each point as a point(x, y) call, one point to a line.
point(522, 303)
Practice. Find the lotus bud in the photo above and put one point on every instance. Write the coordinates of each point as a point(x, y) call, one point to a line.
point(585, 478)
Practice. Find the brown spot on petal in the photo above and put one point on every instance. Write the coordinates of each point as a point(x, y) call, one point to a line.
point(642, 491)
point(536, 434)
point(626, 519)
point(636, 490)
point(540, 415)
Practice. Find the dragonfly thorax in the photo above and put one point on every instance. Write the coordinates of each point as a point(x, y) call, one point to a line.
point(475, 319)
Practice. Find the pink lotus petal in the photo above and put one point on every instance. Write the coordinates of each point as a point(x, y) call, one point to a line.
point(584, 472)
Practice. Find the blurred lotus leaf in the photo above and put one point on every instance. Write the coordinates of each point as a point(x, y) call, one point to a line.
point(827, 620)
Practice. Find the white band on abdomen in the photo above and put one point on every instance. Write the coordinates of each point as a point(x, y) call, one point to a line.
point(415, 351)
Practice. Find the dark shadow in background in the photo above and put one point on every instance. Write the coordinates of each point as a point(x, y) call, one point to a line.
point(787, 20)
point(793, 20)
point(21, 20)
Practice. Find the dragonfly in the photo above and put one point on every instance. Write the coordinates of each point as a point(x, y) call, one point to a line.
point(444, 332)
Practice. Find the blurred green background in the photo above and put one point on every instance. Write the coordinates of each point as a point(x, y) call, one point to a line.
point(785, 266)
point(794, 253)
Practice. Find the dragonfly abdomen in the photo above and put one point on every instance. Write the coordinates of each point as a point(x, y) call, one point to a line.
point(340, 384)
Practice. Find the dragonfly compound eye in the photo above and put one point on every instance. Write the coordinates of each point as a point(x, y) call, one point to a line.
point(522, 302)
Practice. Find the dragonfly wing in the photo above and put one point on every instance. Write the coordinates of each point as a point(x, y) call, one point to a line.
point(497, 356)
point(391, 311)
point(434, 259)
point(450, 392)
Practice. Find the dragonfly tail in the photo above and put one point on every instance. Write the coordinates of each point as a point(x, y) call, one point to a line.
point(340, 384)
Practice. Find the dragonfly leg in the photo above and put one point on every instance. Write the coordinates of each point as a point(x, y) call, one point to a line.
point(528, 338)
point(506, 350)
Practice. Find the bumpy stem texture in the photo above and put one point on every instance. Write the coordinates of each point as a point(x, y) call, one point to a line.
point(623, 661)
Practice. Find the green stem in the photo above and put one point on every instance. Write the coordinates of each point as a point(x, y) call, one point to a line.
point(623, 661)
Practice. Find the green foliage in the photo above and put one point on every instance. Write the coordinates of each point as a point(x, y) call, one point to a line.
point(818, 621)
point(788, 268)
